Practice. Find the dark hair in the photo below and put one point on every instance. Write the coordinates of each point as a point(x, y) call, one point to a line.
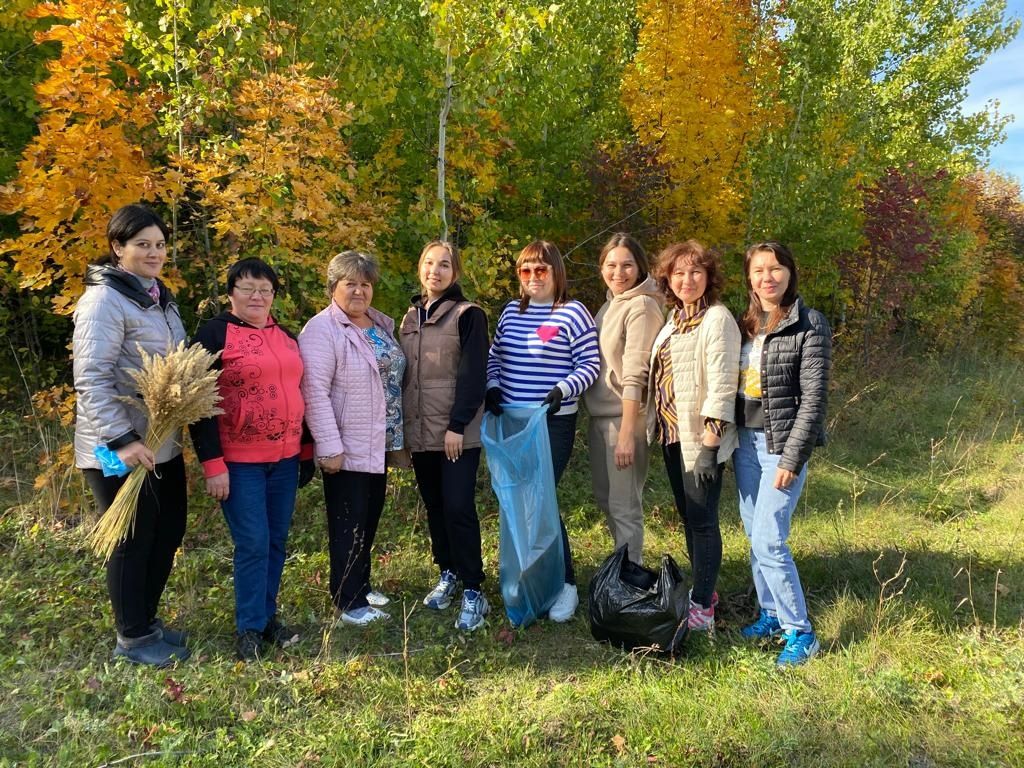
point(127, 222)
point(750, 323)
point(545, 252)
point(254, 268)
point(627, 241)
point(695, 253)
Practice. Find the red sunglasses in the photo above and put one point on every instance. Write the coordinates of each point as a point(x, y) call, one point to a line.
point(540, 270)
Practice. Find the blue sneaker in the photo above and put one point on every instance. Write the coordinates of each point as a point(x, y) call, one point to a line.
point(440, 597)
point(474, 608)
point(765, 627)
point(800, 646)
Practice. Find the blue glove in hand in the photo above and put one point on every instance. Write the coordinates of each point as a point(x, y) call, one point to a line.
point(110, 462)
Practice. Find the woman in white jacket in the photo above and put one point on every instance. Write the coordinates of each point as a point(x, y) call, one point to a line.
point(691, 411)
point(626, 327)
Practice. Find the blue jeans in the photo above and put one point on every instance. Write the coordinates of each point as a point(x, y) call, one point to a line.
point(766, 513)
point(258, 510)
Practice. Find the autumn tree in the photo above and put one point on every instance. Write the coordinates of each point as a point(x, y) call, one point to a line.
point(867, 86)
point(995, 318)
point(900, 237)
point(690, 93)
point(87, 158)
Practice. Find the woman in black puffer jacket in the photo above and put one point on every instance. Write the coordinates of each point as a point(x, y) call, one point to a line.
point(785, 363)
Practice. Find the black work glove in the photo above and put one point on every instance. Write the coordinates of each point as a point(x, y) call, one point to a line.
point(705, 469)
point(307, 469)
point(554, 399)
point(492, 401)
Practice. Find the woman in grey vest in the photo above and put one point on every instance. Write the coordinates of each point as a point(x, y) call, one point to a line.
point(444, 338)
point(126, 310)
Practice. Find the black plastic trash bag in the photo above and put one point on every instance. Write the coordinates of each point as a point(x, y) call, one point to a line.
point(635, 607)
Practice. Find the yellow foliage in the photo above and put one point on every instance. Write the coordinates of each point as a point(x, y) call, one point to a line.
point(83, 164)
point(690, 92)
point(286, 177)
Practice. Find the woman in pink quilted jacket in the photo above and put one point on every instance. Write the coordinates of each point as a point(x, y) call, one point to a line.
point(353, 391)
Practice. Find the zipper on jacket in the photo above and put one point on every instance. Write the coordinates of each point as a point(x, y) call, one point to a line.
point(284, 396)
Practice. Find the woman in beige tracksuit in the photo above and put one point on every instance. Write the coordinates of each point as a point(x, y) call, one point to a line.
point(627, 325)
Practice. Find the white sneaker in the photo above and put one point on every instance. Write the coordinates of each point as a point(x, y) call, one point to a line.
point(565, 606)
point(377, 599)
point(360, 617)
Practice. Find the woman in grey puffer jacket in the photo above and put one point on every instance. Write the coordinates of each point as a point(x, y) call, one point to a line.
point(125, 307)
point(785, 361)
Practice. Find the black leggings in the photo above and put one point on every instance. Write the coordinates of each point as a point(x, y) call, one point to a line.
point(698, 508)
point(138, 569)
point(354, 501)
point(448, 489)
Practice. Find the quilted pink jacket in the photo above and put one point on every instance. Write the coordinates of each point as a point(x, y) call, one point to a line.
point(342, 389)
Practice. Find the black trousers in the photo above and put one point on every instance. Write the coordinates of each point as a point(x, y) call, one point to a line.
point(138, 570)
point(448, 489)
point(562, 434)
point(698, 509)
point(354, 501)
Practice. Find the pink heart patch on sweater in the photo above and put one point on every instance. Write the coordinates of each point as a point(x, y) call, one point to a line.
point(547, 332)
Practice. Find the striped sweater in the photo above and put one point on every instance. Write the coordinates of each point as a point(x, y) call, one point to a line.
point(539, 349)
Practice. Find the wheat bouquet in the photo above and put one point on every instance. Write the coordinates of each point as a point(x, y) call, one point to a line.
point(177, 389)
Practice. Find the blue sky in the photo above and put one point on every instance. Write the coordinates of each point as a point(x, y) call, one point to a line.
point(1002, 78)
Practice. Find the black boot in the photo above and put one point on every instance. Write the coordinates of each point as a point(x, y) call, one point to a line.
point(149, 649)
point(178, 637)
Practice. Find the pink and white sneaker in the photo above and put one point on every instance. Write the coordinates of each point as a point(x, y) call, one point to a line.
point(701, 619)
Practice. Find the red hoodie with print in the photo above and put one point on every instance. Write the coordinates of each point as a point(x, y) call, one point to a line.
point(260, 372)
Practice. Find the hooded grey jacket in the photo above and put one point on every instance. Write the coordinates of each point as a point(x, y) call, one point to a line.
point(114, 318)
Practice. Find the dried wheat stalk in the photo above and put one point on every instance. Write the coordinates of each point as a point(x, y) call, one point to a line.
point(177, 389)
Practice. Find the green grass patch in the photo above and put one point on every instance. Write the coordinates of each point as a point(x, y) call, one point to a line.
point(910, 542)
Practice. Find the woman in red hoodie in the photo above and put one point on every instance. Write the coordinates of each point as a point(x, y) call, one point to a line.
point(251, 452)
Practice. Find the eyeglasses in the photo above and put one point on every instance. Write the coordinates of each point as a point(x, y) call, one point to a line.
point(266, 293)
point(540, 270)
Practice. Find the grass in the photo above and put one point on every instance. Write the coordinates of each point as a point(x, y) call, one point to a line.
point(910, 541)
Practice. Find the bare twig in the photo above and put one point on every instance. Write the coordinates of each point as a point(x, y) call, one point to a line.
point(887, 592)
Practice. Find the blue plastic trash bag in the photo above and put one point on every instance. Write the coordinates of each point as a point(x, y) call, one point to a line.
point(531, 563)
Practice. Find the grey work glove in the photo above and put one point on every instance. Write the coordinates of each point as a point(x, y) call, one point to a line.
point(705, 469)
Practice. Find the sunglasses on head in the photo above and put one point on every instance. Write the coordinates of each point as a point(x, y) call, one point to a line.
point(540, 270)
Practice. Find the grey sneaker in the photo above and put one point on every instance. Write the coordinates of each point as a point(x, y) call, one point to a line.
point(440, 597)
point(474, 609)
point(150, 649)
point(361, 617)
point(377, 599)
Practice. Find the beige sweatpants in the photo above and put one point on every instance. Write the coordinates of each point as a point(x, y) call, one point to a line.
point(619, 492)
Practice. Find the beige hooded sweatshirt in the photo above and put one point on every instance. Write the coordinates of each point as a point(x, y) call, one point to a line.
point(626, 326)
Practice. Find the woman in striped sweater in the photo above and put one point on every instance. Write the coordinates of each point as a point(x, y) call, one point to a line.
point(545, 354)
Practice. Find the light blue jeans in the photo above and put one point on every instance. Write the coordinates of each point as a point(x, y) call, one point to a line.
point(766, 513)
